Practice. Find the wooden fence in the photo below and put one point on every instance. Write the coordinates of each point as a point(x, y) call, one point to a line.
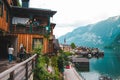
point(21, 71)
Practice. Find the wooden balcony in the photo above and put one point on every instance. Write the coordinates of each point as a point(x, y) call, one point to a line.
point(22, 28)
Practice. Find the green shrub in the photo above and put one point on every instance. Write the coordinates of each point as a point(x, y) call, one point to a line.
point(67, 53)
point(40, 72)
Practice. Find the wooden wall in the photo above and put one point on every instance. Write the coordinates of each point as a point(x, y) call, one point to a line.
point(50, 46)
point(26, 40)
point(3, 24)
point(10, 2)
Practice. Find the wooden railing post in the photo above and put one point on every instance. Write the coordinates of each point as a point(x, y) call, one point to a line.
point(26, 75)
point(11, 76)
point(33, 63)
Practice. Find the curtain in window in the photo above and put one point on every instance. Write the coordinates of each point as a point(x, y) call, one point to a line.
point(16, 20)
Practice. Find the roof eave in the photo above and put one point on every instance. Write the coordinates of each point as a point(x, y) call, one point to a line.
point(34, 10)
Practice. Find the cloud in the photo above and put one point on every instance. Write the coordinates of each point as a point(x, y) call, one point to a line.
point(78, 12)
point(60, 30)
point(63, 28)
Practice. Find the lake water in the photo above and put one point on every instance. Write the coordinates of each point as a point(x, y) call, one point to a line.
point(109, 66)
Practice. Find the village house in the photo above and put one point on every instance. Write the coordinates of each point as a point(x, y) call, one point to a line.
point(66, 47)
point(25, 26)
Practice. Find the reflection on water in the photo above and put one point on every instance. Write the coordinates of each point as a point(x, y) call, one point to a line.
point(109, 65)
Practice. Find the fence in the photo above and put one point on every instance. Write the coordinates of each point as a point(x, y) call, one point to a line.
point(21, 71)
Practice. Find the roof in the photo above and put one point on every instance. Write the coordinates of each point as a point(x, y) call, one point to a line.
point(44, 12)
point(81, 60)
point(36, 11)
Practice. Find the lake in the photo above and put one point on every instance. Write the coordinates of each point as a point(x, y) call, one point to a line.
point(109, 66)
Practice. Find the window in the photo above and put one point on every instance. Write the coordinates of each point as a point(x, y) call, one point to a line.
point(37, 42)
point(1, 8)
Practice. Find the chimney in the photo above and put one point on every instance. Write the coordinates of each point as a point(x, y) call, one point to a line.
point(25, 3)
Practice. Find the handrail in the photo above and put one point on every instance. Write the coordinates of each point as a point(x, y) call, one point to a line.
point(16, 66)
point(79, 76)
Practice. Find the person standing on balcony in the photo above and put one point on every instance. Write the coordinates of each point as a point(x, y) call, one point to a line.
point(10, 51)
point(28, 23)
point(35, 23)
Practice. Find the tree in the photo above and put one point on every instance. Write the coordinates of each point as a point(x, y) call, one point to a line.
point(73, 45)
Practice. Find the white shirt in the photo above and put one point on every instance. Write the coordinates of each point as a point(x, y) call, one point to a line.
point(10, 50)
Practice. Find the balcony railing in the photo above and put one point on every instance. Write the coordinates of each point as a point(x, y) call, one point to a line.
point(21, 71)
point(22, 28)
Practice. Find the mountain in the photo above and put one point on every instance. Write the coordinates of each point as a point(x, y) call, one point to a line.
point(100, 34)
point(115, 44)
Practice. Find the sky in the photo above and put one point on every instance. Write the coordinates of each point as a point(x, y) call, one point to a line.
point(75, 13)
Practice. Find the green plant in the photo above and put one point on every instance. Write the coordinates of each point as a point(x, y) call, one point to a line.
point(41, 72)
point(37, 50)
point(55, 64)
point(73, 45)
point(61, 64)
point(67, 54)
point(47, 60)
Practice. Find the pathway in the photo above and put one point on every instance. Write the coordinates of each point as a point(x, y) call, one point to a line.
point(71, 74)
point(4, 65)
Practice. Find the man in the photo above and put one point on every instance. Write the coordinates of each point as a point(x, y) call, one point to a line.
point(10, 51)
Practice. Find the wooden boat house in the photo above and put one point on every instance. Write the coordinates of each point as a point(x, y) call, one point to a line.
point(25, 26)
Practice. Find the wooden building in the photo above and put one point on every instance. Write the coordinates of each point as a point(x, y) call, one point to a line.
point(24, 26)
